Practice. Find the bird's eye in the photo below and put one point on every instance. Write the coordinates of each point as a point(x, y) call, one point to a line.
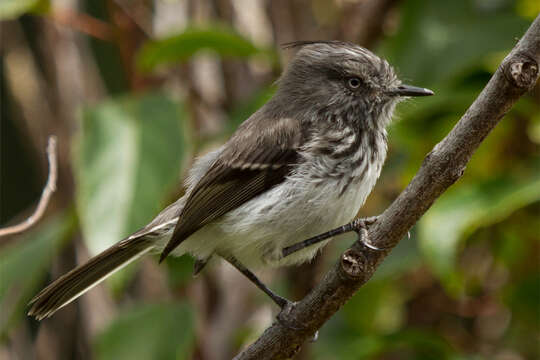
point(353, 83)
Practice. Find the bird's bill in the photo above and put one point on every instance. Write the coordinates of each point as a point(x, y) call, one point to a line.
point(408, 90)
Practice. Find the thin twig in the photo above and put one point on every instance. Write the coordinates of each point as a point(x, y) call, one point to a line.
point(84, 23)
point(48, 190)
point(443, 166)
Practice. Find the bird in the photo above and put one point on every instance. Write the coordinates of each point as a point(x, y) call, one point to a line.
point(303, 163)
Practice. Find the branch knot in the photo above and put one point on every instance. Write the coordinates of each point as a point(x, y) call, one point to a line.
point(353, 263)
point(521, 70)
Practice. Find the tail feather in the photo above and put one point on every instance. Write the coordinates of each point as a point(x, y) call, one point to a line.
point(81, 279)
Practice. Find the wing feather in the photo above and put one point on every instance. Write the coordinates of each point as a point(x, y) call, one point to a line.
point(259, 156)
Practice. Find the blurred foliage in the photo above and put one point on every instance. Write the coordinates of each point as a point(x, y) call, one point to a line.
point(11, 9)
point(465, 286)
point(128, 155)
point(438, 41)
point(157, 331)
point(24, 265)
point(107, 55)
point(462, 211)
point(220, 40)
point(528, 8)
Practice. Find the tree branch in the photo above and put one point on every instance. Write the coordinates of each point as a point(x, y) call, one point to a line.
point(49, 188)
point(443, 166)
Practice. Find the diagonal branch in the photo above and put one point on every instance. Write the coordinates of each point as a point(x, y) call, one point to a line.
point(49, 188)
point(443, 166)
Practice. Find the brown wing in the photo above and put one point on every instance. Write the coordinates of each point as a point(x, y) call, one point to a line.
point(257, 157)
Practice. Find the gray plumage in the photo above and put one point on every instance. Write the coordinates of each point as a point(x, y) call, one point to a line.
point(302, 164)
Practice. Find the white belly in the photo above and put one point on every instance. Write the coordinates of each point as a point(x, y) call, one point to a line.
point(256, 232)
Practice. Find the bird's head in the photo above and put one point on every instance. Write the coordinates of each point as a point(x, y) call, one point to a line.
point(343, 79)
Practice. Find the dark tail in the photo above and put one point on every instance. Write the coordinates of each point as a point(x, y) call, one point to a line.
point(81, 279)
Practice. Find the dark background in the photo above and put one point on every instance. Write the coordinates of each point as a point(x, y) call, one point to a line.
point(135, 89)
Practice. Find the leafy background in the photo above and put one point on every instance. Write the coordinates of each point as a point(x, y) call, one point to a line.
point(135, 89)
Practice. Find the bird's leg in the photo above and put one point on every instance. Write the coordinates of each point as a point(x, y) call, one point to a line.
point(285, 305)
point(279, 300)
point(357, 225)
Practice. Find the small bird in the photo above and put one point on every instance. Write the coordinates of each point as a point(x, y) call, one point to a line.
point(302, 164)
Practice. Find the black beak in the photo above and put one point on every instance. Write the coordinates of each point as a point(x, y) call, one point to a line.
point(407, 90)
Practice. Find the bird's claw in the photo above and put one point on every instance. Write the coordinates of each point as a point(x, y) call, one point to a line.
point(361, 226)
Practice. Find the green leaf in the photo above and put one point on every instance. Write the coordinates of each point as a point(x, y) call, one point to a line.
point(157, 331)
point(460, 212)
point(179, 48)
point(127, 159)
point(24, 265)
point(11, 9)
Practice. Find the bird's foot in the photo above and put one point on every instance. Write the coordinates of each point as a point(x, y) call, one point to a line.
point(361, 226)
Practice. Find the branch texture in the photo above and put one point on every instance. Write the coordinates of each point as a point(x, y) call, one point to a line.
point(443, 166)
